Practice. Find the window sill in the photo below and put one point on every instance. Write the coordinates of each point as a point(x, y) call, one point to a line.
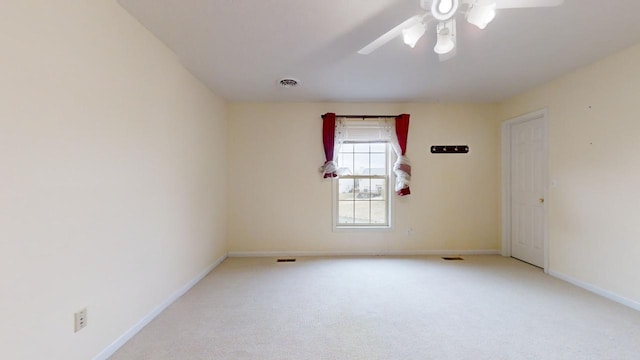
point(361, 228)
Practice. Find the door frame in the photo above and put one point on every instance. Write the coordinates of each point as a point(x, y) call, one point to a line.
point(506, 180)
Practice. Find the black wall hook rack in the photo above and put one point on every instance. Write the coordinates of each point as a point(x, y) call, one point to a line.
point(449, 149)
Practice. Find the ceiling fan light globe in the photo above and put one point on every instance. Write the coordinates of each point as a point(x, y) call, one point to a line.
point(413, 34)
point(444, 9)
point(444, 46)
point(445, 6)
point(482, 15)
point(446, 39)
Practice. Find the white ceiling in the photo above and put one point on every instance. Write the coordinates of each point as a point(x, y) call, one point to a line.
point(241, 48)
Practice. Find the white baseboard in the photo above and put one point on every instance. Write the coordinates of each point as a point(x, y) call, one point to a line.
point(361, 253)
point(598, 291)
point(111, 349)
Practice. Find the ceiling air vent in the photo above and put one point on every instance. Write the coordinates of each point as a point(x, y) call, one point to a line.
point(289, 83)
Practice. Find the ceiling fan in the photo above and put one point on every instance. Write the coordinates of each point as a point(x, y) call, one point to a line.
point(477, 12)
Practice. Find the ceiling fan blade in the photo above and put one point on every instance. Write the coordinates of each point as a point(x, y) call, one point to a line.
point(390, 35)
point(513, 4)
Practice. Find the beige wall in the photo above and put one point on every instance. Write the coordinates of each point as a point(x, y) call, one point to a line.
point(594, 134)
point(279, 203)
point(112, 176)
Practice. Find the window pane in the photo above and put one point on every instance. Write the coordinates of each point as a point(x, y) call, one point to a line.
point(378, 189)
point(379, 147)
point(345, 163)
point(361, 164)
point(345, 187)
point(379, 212)
point(378, 164)
point(345, 212)
point(361, 147)
point(363, 188)
point(362, 212)
point(346, 147)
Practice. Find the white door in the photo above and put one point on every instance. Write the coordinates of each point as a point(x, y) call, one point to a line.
point(528, 173)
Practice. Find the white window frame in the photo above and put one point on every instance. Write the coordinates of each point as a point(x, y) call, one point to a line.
point(389, 197)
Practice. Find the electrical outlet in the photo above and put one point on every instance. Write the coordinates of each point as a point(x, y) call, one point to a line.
point(81, 319)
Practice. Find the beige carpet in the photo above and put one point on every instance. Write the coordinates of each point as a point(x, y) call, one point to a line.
point(485, 307)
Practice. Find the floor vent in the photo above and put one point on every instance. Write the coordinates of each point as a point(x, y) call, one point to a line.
point(286, 260)
point(453, 258)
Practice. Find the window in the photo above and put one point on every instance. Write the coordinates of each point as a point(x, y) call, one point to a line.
point(358, 161)
point(361, 194)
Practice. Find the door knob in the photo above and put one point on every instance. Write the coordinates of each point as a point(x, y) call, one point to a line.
point(541, 200)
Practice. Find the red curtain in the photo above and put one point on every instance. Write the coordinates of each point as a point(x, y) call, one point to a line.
point(402, 131)
point(328, 138)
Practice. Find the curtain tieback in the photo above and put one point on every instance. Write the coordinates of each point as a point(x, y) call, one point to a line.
point(402, 169)
point(329, 169)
